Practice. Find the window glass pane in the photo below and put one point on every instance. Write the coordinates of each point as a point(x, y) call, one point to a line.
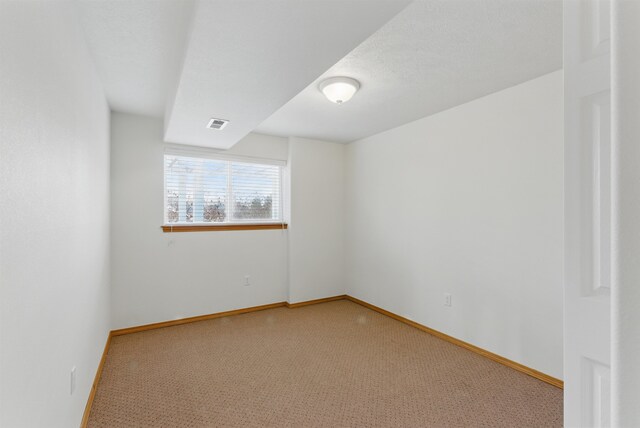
point(171, 189)
point(214, 196)
point(203, 190)
point(256, 190)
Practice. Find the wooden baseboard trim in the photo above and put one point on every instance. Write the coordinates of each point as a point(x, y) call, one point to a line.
point(316, 301)
point(96, 380)
point(495, 357)
point(137, 329)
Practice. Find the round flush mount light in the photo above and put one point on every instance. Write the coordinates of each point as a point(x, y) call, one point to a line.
point(339, 90)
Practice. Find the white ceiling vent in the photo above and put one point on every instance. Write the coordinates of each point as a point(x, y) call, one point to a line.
point(217, 123)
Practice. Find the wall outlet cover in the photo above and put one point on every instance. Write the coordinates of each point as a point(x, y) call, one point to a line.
point(447, 299)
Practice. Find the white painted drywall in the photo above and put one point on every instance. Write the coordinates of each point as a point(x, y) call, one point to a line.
point(54, 216)
point(625, 345)
point(316, 264)
point(467, 202)
point(160, 276)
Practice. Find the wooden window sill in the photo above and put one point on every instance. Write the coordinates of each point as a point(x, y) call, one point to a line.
point(221, 227)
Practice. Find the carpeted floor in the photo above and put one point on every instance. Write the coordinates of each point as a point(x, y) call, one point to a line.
point(333, 364)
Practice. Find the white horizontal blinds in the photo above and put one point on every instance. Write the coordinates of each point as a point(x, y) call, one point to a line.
point(255, 191)
point(195, 190)
point(208, 190)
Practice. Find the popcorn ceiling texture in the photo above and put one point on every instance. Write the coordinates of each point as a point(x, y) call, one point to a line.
point(332, 364)
point(137, 47)
point(245, 60)
point(432, 56)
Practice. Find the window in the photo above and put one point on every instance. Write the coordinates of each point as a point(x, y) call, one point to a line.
point(209, 189)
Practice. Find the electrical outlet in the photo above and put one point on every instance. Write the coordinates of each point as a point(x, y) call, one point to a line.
point(72, 380)
point(447, 299)
point(247, 279)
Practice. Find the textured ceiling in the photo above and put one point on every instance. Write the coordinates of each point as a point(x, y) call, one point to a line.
point(137, 47)
point(258, 62)
point(432, 56)
point(247, 58)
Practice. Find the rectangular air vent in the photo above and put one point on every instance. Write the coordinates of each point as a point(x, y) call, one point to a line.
point(217, 123)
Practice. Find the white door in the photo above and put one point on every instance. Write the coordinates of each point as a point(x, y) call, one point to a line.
point(588, 212)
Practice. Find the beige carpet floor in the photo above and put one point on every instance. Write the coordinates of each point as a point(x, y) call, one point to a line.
point(333, 364)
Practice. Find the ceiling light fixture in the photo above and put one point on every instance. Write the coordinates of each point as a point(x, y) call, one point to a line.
point(339, 90)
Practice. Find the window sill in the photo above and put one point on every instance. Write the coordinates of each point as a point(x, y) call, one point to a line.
point(221, 227)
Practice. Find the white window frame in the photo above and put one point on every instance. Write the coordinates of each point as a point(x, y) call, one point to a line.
point(213, 154)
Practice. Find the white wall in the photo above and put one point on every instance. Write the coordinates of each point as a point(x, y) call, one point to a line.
point(316, 267)
point(160, 276)
point(54, 216)
point(468, 202)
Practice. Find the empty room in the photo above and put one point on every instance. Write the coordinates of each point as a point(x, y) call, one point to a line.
point(319, 213)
